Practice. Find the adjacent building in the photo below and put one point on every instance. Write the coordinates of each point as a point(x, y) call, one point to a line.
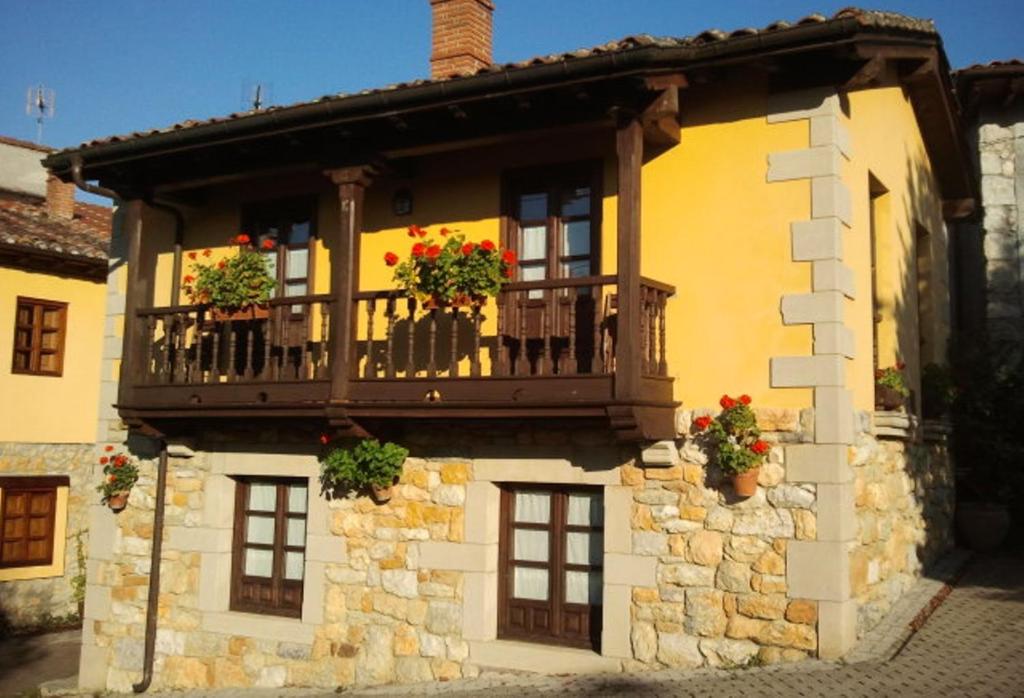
point(761, 212)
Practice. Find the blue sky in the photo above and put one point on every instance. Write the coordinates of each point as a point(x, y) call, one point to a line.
point(119, 66)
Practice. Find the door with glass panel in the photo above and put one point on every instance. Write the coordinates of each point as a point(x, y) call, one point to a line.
point(269, 546)
point(551, 550)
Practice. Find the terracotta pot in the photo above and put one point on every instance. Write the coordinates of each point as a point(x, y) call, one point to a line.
point(433, 303)
point(117, 501)
point(250, 312)
point(745, 483)
point(381, 493)
point(983, 526)
point(887, 398)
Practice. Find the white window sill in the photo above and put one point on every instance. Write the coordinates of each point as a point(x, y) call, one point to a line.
point(538, 658)
point(259, 626)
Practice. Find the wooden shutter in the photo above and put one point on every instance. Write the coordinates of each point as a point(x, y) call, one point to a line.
point(26, 536)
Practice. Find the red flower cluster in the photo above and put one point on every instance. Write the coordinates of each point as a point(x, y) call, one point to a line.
point(416, 231)
point(487, 245)
point(445, 232)
point(207, 252)
point(192, 255)
point(508, 257)
point(104, 460)
point(391, 259)
point(418, 249)
point(434, 251)
point(240, 239)
point(728, 402)
point(189, 278)
point(267, 244)
point(760, 447)
point(702, 423)
point(325, 439)
point(468, 248)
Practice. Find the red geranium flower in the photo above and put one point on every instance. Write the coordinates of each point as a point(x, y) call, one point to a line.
point(745, 399)
point(418, 249)
point(189, 278)
point(434, 251)
point(207, 252)
point(759, 447)
point(242, 239)
point(325, 439)
point(487, 245)
point(508, 257)
point(445, 232)
point(267, 244)
point(508, 273)
point(467, 249)
point(108, 448)
point(221, 264)
point(391, 259)
point(191, 255)
point(104, 460)
point(900, 365)
point(727, 402)
point(702, 423)
point(119, 461)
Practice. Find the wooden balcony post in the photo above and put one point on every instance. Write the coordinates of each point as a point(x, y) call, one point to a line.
point(352, 183)
point(629, 146)
point(139, 294)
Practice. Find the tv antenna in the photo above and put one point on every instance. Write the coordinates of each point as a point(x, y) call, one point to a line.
point(255, 95)
point(41, 103)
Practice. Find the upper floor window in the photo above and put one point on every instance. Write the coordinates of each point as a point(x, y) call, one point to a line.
point(39, 328)
point(290, 225)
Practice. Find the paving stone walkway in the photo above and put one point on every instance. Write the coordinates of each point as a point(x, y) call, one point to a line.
point(972, 645)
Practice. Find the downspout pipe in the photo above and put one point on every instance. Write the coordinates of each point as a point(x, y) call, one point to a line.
point(79, 180)
point(152, 602)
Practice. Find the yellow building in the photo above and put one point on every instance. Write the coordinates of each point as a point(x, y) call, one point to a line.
point(52, 308)
point(758, 214)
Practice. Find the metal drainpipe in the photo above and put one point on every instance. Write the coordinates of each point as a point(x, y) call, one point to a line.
point(76, 177)
point(154, 572)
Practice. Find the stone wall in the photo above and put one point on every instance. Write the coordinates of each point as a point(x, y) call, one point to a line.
point(26, 603)
point(904, 499)
point(399, 592)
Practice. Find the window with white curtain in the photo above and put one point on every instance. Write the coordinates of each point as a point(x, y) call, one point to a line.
point(552, 551)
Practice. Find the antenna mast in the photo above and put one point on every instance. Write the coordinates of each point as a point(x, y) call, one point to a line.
point(40, 103)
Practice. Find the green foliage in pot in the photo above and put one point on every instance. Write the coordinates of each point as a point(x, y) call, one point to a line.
point(232, 283)
point(120, 473)
point(892, 377)
point(733, 436)
point(358, 467)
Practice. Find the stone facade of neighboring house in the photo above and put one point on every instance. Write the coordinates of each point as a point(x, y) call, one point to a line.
point(730, 229)
point(52, 309)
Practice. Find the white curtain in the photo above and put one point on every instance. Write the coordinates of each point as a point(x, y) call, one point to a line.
point(583, 587)
point(260, 530)
point(530, 545)
point(584, 548)
point(297, 495)
point(530, 583)
point(262, 497)
point(297, 532)
point(533, 507)
point(259, 563)
point(293, 564)
point(586, 510)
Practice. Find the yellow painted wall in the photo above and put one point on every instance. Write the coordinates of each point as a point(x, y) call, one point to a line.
point(887, 144)
point(53, 409)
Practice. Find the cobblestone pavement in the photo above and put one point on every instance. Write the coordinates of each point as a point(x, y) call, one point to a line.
point(972, 645)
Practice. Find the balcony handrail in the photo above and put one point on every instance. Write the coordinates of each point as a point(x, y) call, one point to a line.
point(274, 302)
point(540, 285)
point(658, 285)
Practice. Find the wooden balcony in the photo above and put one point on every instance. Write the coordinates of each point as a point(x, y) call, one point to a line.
point(545, 349)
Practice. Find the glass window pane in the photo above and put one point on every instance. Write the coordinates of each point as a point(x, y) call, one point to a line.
point(533, 207)
point(297, 532)
point(21, 360)
point(576, 270)
point(260, 530)
point(271, 258)
point(48, 362)
point(297, 495)
point(535, 242)
point(533, 507)
point(584, 548)
point(50, 339)
point(585, 510)
point(259, 563)
point(23, 338)
point(576, 202)
point(24, 315)
point(299, 233)
point(295, 288)
point(51, 318)
point(530, 545)
point(576, 239)
point(293, 564)
point(262, 496)
point(583, 588)
point(530, 583)
point(298, 263)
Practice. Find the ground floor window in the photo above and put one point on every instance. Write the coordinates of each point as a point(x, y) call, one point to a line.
point(551, 552)
point(28, 508)
point(269, 551)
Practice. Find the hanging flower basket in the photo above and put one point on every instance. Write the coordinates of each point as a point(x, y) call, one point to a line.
point(736, 443)
point(118, 501)
point(120, 473)
point(235, 288)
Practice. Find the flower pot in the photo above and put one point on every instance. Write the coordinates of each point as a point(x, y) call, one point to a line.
point(745, 483)
point(117, 501)
point(887, 398)
point(983, 526)
point(249, 312)
point(381, 493)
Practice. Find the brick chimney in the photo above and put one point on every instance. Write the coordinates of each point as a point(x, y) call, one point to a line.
point(462, 37)
point(60, 199)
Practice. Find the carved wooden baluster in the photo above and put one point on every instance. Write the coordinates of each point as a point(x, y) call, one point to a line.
point(474, 364)
point(195, 372)
point(267, 347)
point(371, 367)
point(179, 355)
point(150, 335)
point(215, 356)
point(453, 361)
point(165, 360)
point(546, 360)
point(569, 366)
point(432, 345)
point(410, 363)
point(389, 359)
point(250, 336)
point(504, 348)
point(644, 350)
point(232, 341)
point(277, 336)
point(662, 353)
point(653, 331)
point(325, 312)
point(598, 364)
point(523, 361)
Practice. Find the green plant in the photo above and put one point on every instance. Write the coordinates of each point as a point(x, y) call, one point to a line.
point(452, 271)
point(733, 436)
point(78, 581)
point(892, 377)
point(366, 464)
point(234, 282)
point(120, 473)
point(938, 391)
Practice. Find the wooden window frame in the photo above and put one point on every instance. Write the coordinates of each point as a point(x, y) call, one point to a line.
point(35, 327)
point(558, 529)
point(46, 485)
point(277, 581)
point(256, 215)
point(554, 180)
